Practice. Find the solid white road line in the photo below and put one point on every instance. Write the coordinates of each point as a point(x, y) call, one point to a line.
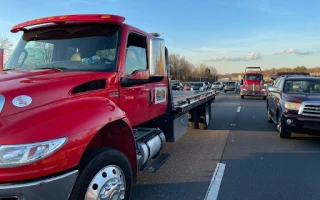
point(239, 108)
point(214, 187)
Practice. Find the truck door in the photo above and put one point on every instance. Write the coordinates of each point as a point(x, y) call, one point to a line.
point(134, 100)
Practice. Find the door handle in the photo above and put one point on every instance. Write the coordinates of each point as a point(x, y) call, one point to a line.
point(150, 97)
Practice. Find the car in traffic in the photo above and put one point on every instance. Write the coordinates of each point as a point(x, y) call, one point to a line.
point(200, 86)
point(187, 87)
point(293, 104)
point(177, 86)
point(229, 86)
point(217, 85)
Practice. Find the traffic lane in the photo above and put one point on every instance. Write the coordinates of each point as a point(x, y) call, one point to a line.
point(224, 111)
point(260, 165)
point(188, 172)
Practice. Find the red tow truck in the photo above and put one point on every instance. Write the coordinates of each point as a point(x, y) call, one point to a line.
point(252, 83)
point(85, 103)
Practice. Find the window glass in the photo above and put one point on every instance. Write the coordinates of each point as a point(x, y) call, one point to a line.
point(136, 57)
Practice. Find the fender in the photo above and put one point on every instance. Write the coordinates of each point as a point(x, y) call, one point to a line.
point(77, 118)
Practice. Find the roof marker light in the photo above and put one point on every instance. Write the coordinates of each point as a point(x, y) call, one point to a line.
point(105, 16)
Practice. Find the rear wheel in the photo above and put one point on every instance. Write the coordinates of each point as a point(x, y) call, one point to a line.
point(225, 91)
point(282, 128)
point(264, 98)
point(106, 174)
point(193, 118)
point(204, 120)
point(242, 96)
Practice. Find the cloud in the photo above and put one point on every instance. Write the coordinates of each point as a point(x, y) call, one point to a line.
point(250, 56)
point(293, 51)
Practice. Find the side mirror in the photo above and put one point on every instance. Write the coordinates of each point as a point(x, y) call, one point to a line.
point(272, 89)
point(140, 77)
point(1, 59)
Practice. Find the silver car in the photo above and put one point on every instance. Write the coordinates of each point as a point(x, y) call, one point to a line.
point(217, 86)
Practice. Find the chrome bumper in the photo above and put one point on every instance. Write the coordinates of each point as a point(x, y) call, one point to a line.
point(253, 93)
point(58, 187)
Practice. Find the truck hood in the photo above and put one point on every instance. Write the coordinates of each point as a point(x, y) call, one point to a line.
point(299, 98)
point(41, 87)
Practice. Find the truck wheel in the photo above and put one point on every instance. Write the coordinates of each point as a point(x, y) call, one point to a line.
point(225, 91)
point(264, 98)
point(204, 120)
point(193, 118)
point(282, 129)
point(242, 96)
point(105, 170)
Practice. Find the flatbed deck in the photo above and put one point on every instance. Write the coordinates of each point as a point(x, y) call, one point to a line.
point(186, 100)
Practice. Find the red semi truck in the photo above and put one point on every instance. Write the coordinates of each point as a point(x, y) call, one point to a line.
point(252, 83)
point(85, 103)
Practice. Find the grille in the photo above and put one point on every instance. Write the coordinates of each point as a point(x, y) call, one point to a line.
point(254, 87)
point(311, 110)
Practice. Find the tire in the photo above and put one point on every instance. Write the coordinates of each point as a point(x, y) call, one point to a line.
point(269, 116)
point(192, 125)
point(225, 91)
point(193, 118)
point(204, 120)
point(102, 165)
point(282, 129)
point(264, 98)
point(242, 96)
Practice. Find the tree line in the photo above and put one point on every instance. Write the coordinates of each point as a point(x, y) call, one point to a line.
point(183, 70)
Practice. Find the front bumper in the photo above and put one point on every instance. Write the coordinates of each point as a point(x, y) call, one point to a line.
point(253, 93)
point(303, 124)
point(54, 188)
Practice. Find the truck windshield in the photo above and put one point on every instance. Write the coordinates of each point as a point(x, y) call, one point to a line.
point(73, 47)
point(253, 77)
point(302, 86)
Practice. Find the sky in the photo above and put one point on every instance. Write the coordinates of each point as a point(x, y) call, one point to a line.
point(226, 34)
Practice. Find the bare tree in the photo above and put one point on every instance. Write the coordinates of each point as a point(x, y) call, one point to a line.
point(6, 44)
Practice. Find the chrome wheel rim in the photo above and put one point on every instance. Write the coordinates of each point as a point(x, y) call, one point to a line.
point(108, 184)
point(207, 115)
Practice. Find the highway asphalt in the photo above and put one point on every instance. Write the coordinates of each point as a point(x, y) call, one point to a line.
point(258, 164)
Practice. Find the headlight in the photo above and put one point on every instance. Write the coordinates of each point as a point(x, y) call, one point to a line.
point(292, 106)
point(22, 154)
point(263, 90)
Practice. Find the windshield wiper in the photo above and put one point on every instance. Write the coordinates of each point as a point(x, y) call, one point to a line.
point(10, 69)
point(55, 68)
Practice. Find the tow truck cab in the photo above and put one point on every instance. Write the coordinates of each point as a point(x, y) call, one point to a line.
point(252, 83)
point(85, 103)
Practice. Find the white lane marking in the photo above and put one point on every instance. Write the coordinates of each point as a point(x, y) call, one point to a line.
point(214, 187)
point(239, 109)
